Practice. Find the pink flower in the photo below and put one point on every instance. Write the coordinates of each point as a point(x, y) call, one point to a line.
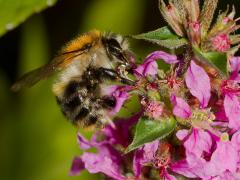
point(181, 107)
point(195, 142)
point(120, 133)
point(150, 66)
point(221, 42)
point(198, 83)
point(227, 175)
point(153, 109)
point(120, 94)
point(231, 90)
point(224, 158)
point(235, 68)
point(191, 167)
point(144, 155)
point(107, 160)
point(232, 110)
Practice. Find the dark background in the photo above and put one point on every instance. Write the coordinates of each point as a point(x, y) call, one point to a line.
point(36, 142)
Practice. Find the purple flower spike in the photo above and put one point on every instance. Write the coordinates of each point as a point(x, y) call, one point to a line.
point(198, 83)
point(232, 110)
point(181, 107)
point(150, 66)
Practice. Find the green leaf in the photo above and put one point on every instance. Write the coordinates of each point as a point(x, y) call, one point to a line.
point(14, 12)
point(215, 59)
point(163, 37)
point(150, 130)
point(158, 34)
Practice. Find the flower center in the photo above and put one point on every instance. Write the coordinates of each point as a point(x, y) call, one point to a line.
point(231, 86)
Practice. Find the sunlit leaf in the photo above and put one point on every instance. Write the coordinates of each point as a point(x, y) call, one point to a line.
point(163, 37)
point(215, 59)
point(150, 130)
point(14, 12)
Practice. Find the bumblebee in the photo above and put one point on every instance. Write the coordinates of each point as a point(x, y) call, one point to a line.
point(85, 65)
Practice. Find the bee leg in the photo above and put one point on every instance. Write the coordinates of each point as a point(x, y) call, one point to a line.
point(113, 75)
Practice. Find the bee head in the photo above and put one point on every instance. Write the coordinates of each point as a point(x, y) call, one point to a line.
point(117, 50)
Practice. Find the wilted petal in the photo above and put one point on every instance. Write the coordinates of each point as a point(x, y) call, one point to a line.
point(232, 110)
point(224, 158)
point(181, 107)
point(96, 163)
point(198, 83)
point(150, 66)
point(77, 166)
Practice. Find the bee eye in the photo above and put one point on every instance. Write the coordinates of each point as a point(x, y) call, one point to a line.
point(87, 46)
point(114, 48)
point(113, 44)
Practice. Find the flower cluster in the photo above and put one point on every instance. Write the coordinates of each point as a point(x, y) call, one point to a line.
point(205, 140)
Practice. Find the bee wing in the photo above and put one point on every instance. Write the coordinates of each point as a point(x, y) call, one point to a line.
point(57, 64)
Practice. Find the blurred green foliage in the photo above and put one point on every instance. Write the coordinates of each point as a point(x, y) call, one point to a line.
point(36, 141)
point(13, 12)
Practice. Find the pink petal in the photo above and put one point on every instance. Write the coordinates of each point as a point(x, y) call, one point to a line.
point(120, 94)
point(198, 83)
point(137, 165)
point(182, 134)
point(83, 143)
point(232, 110)
point(227, 175)
point(223, 158)
point(168, 176)
point(181, 107)
point(150, 66)
point(198, 142)
point(121, 97)
point(235, 68)
point(120, 134)
point(167, 58)
point(236, 140)
point(96, 163)
point(144, 155)
point(77, 166)
point(191, 168)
